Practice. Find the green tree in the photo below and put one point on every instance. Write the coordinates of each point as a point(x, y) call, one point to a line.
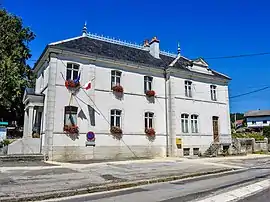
point(15, 74)
point(266, 131)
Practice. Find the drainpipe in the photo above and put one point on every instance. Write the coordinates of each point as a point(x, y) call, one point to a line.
point(166, 113)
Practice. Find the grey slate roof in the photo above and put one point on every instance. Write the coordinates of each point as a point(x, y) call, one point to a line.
point(91, 46)
point(87, 45)
point(257, 113)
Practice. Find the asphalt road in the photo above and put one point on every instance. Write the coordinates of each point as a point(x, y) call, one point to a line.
point(188, 190)
point(263, 196)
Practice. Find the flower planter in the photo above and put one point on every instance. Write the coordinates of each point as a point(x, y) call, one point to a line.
point(116, 132)
point(150, 93)
point(70, 84)
point(71, 129)
point(118, 89)
point(150, 132)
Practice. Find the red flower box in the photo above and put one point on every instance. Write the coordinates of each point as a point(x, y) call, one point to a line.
point(71, 129)
point(150, 131)
point(118, 89)
point(71, 84)
point(150, 93)
point(116, 130)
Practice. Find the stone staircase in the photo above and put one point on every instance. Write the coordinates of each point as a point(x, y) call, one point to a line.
point(22, 157)
point(213, 150)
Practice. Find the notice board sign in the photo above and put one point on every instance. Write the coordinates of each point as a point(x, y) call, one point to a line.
point(179, 143)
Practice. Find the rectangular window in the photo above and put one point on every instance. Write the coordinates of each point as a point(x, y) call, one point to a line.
point(265, 121)
point(148, 83)
point(70, 115)
point(213, 90)
point(196, 151)
point(72, 71)
point(194, 123)
point(188, 90)
point(186, 151)
point(253, 122)
point(116, 117)
point(184, 123)
point(115, 78)
point(148, 120)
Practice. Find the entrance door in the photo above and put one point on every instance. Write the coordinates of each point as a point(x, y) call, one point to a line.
point(215, 128)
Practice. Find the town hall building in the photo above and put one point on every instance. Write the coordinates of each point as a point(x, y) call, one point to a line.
point(100, 98)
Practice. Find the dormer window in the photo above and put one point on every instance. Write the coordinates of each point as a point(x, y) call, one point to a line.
point(72, 71)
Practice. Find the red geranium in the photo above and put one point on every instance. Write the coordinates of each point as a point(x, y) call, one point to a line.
point(71, 129)
point(71, 84)
point(118, 89)
point(150, 93)
point(150, 131)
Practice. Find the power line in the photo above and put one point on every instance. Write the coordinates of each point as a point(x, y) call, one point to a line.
point(251, 92)
point(237, 56)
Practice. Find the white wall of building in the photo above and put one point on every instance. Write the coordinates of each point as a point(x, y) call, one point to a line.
point(133, 105)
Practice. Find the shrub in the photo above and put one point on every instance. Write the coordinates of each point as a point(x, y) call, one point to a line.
point(256, 136)
point(266, 131)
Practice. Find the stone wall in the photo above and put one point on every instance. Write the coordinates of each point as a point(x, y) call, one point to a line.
point(248, 145)
point(74, 153)
point(25, 146)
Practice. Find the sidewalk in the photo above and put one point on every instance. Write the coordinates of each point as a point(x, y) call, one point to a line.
point(61, 179)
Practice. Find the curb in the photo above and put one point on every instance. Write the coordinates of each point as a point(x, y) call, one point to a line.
point(121, 185)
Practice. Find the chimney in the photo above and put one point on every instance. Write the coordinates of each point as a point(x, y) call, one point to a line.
point(146, 45)
point(154, 47)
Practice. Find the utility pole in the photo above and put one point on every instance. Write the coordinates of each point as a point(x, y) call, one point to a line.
point(166, 114)
point(235, 120)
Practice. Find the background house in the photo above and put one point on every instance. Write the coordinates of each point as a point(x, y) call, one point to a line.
point(257, 119)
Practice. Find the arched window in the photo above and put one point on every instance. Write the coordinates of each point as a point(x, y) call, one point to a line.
point(72, 71)
point(70, 118)
point(116, 117)
point(115, 78)
point(188, 90)
point(184, 123)
point(194, 123)
point(148, 120)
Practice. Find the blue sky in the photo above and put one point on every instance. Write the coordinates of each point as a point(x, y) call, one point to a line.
point(203, 29)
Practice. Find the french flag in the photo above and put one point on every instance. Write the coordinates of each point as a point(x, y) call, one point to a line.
point(87, 86)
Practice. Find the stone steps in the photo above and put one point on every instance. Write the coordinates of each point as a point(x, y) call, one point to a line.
point(26, 157)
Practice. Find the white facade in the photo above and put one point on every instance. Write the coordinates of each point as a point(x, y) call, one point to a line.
point(58, 145)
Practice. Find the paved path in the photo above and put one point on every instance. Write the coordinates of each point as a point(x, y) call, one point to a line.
point(212, 189)
point(25, 181)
